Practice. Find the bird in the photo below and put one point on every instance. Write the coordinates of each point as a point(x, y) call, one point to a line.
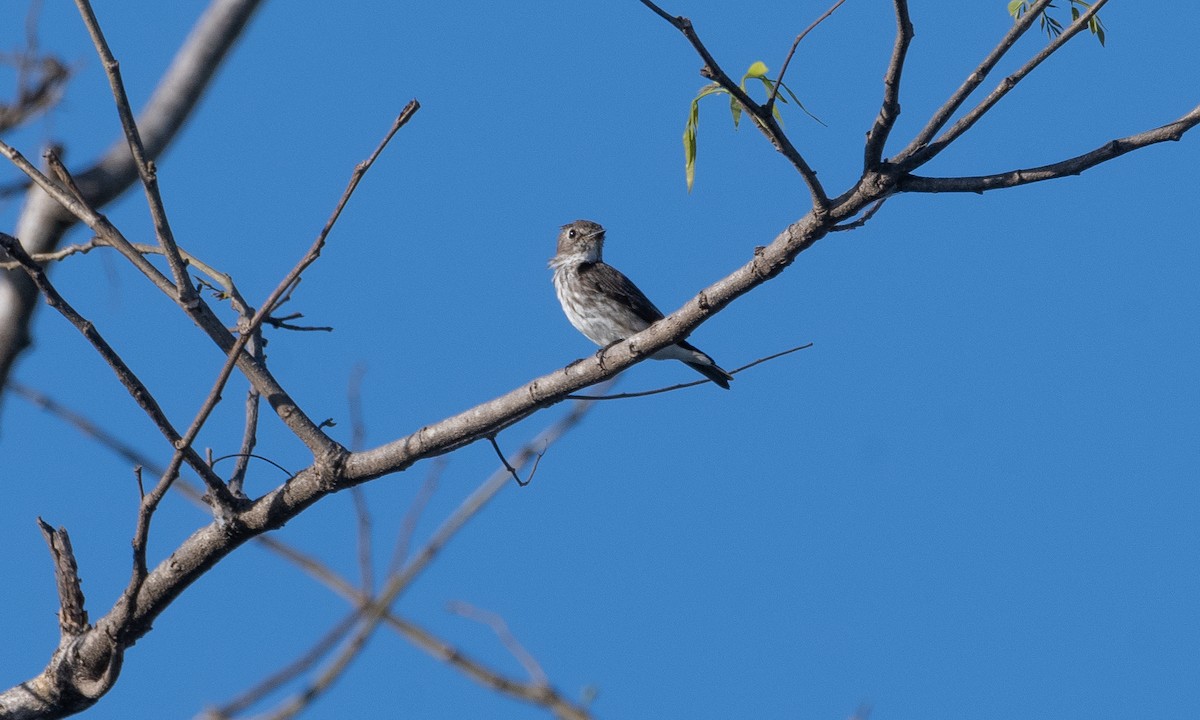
point(605, 305)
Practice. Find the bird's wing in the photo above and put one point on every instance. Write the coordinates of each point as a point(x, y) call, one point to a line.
point(606, 279)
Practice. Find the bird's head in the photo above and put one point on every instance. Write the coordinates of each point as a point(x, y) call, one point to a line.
point(582, 239)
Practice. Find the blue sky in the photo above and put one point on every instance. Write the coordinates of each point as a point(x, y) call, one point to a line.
point(975, 495)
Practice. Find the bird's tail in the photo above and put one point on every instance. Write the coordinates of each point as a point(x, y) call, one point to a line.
point(692, 356)
point(712, 372)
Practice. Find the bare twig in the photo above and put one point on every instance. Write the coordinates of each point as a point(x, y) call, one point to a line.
point(237, 479)
point(366, 563)
point(863, 219)
point(84, 425)
point(283, 324)
point(314, 252)
point(72, 617)
point(60, 254)
point(512, 470)
point(510, 642)
point(763, 118)
point(333, 671)
point(889, 111)
point(770, 103)
point(974, 80)
point(145, 166)
point(694, 383)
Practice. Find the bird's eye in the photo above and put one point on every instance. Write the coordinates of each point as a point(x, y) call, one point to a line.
point(571, 233)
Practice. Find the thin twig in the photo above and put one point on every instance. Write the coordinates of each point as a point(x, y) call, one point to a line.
point(237, 479)
point(127, 377)
point(889, 109)
point(314, 252)
point(60, 254)
point(283, 324)
point(974, 80)
point(507, 466)
point(162, 228)
point(931, 149)
point(770, 104)
point(863, 220)
point(1172, 131)
point(680, 386)
point(763, 118)
point(362, 516)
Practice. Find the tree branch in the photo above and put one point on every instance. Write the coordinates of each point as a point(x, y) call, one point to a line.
point(43, 222)
point(889, 111)
point(1073, 166)
point(72, 617)
point(975, 79)
point(128, 378)
point(919, 156)
point(763, 118)
point(769, 105)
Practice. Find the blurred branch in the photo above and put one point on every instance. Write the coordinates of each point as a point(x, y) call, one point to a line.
point(510, 642)
point(291, 671)
point(543, 695)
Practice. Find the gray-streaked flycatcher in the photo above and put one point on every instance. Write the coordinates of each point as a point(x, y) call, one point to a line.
point(605, 305)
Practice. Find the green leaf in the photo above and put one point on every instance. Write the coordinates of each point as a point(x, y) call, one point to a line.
point(735, 109)
point(689, 143)
point(757, 70)
point(1015, 8)
point(800, 105)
